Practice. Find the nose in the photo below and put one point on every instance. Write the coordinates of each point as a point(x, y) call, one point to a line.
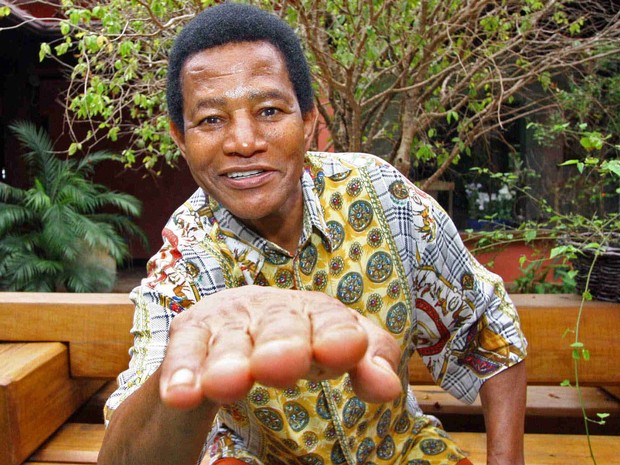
point(244, 136)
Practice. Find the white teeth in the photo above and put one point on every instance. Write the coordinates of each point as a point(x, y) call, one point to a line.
point(244, 174)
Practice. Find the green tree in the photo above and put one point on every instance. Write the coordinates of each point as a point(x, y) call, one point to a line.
point(60, 233)
point(411, 80)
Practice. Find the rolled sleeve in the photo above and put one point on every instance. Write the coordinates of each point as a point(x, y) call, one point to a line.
point(468, 329)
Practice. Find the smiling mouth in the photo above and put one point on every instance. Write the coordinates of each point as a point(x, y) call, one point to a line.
point(244, 174)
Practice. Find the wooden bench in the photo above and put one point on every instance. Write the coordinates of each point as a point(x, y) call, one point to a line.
point(91, 332)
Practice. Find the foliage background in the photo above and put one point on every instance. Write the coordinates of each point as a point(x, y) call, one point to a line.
point(413, 81)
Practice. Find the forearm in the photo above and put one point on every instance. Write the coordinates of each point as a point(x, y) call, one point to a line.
point(143, 430)
point(503, 403)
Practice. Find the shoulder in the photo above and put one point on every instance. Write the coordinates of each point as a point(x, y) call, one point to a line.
point(184, 268)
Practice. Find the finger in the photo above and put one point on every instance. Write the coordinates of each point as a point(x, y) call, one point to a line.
point(282, 351)
point(225, 375)
point(374, 379)
point(186, 351)
point(339, 341)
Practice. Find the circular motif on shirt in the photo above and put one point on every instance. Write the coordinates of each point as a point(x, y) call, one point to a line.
point(350, 288)
point(284, 278)
point(403, 423)
point(296, 415)
point(340, 176)
point(313, 386)
point(336, 234)
point(374, 238)
point(362, 427)
point(307, 259)
point(364, 450)
point(275, 258)
point(386, 448)
point(311, 459)
point(360, 215)
point(269, 417)
point(353, 410)
point(290, 444)
point(394, 289)
point(319, 281)
point(330, 432)
point(337, 455)
point(374, 302)
point(319, 183)
point(310, 440)
point(467, 281)
point(259, 396)
point(354, 187)
point(336, 201)
point(379, 267)
point(355, 251)
point(398, 190)
point(260, 280)
point(432, 446)
point(418, 462)
point(397, 318)
point(291, 393)
point(321, 406)
point(384, 423)
point(336, 265)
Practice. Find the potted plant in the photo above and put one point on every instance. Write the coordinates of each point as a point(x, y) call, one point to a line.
point(63, 232)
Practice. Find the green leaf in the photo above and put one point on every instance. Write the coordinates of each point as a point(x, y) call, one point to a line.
point(586, 354)
point(5, 11)
point(44, 51)
point(530, 235)
point(565, 383)
point(74, 147)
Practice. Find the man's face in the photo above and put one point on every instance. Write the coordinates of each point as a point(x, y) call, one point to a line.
point(245, 136)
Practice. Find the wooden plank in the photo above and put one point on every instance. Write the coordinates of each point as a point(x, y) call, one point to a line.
point(547, 449)
point(36, 396)
point(95, 326)
point(545, 319)
point(73, 442)
point(80, 443)
point(542, 401)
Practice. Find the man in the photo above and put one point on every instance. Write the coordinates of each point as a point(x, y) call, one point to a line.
point(278, 318)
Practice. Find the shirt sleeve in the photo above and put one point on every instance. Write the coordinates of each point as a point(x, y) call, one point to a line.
point(179, 275)
point(467, 327)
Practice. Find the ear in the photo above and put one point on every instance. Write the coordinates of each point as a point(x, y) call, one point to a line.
point(178, 136)
point(310, 121)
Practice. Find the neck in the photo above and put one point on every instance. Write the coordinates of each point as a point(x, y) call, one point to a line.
point(284, 228)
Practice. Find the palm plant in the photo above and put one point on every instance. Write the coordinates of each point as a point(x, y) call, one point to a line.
point(59, 232)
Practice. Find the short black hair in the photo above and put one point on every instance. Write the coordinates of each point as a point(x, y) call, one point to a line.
point(233, 23)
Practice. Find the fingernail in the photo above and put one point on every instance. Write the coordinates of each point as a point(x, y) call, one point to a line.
point(383, 363)
point(181, 377)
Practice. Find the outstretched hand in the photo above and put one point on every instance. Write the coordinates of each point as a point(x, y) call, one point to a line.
point(229, 340)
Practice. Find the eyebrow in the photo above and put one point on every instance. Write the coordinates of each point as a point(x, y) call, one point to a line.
point(253, 95)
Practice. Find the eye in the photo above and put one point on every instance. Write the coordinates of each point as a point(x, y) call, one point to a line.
point(270, 111)
point(212, 120)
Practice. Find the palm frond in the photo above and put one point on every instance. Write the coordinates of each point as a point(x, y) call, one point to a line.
point(40, 157)
point(14, 216)
point(11, 194)
point(51, 230)
point(86, 166)
point(126, 203)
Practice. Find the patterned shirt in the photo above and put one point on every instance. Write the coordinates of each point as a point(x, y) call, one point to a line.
point(382, 247)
